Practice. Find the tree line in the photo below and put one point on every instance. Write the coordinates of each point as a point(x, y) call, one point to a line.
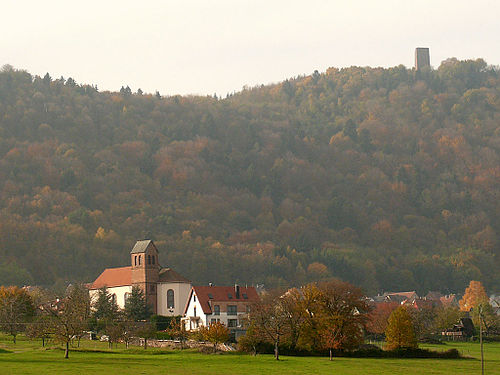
point(329, 316)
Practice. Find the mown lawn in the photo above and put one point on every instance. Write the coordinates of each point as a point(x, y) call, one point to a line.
point(27, 357)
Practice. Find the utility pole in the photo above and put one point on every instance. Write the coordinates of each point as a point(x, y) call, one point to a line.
point(481, 337)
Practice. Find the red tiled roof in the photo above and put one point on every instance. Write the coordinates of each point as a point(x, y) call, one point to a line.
point(113, 277)
point(221, 294)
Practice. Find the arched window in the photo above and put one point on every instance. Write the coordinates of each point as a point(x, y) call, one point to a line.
point(139, 260)
point(113, 298)
point(170, 299)
point(135, 260)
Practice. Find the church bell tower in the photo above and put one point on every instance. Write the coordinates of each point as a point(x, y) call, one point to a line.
point(145, 270)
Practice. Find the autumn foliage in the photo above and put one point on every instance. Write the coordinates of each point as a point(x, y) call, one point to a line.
point(386, 178)
point(474, 295)
point(400, 332)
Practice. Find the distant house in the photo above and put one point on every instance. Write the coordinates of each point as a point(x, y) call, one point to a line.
point(463, 329)
point(225, 304)
point(165, 290)
point(399, 297)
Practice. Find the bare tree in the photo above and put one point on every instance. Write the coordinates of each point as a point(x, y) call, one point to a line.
point(71, 319)
point(269, 318)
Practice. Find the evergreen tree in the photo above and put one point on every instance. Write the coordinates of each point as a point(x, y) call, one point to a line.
point(135, 305)
point(105, 307)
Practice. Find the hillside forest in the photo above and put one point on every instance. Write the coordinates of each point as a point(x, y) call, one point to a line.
point(385, 178)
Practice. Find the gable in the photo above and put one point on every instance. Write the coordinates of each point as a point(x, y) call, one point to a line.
point(142, 246)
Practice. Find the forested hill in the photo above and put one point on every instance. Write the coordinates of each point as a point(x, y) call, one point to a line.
point(387, 178)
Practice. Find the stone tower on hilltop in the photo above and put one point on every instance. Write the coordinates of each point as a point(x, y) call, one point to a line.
point(422, 58)
point(145, 270)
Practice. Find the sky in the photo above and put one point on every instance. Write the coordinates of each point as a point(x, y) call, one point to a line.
point(219, 46)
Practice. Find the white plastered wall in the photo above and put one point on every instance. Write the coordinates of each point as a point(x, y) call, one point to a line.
point(119, 291)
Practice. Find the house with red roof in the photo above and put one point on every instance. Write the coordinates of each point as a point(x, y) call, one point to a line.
point(165, 290)
point(225, 304)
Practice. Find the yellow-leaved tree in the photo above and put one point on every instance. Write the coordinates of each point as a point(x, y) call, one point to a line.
point(400, 332)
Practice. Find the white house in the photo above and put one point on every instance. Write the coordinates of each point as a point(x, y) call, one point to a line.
point(165, 290)
point(225, 304)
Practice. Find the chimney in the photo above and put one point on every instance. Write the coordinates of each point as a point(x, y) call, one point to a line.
point(237, 291)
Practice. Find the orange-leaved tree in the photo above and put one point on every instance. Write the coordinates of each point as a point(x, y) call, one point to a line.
point(474, 295)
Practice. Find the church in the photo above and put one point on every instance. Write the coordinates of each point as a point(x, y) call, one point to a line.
point(165, 290)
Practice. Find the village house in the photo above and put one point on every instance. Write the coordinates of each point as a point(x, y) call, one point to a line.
point(165, 290)
point(225, 304)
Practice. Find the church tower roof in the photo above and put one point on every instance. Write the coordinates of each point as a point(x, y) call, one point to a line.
point(141, 246)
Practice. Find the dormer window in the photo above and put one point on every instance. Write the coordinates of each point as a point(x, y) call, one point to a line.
point(135, 260)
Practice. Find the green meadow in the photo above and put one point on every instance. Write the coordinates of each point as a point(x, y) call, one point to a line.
point(28, 357)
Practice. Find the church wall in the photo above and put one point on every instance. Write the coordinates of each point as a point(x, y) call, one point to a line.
point(181, 295)
point(119, 291)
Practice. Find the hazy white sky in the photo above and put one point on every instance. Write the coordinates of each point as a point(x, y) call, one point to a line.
point(218, 46)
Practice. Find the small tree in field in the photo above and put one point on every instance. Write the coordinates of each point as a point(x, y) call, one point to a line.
point(342, 315)
point(400, 332)
point(16, 309)
point(178, 331)
point(269, 319)
point(41, 329)
point(216, 333)
point(72, 319)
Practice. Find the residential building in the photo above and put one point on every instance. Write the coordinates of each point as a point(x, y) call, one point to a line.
point(225, 304)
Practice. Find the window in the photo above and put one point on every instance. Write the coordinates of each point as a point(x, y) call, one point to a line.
point(153, 259)
point(230, 296)
point(216, 310)
point(135, 260)
point(113, 298)
point(170, 299)
point(213, 321)
point(231, 310)
point(149, 259)
point(245, 296)
point(194, 297)
point(231, 323)
point(125, 297)
point(139, 260)
point(195, 311)
point(210, 296)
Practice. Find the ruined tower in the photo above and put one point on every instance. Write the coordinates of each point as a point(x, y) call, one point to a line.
point(422, 58)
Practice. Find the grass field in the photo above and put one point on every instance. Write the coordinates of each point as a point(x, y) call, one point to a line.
point(28, 357)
